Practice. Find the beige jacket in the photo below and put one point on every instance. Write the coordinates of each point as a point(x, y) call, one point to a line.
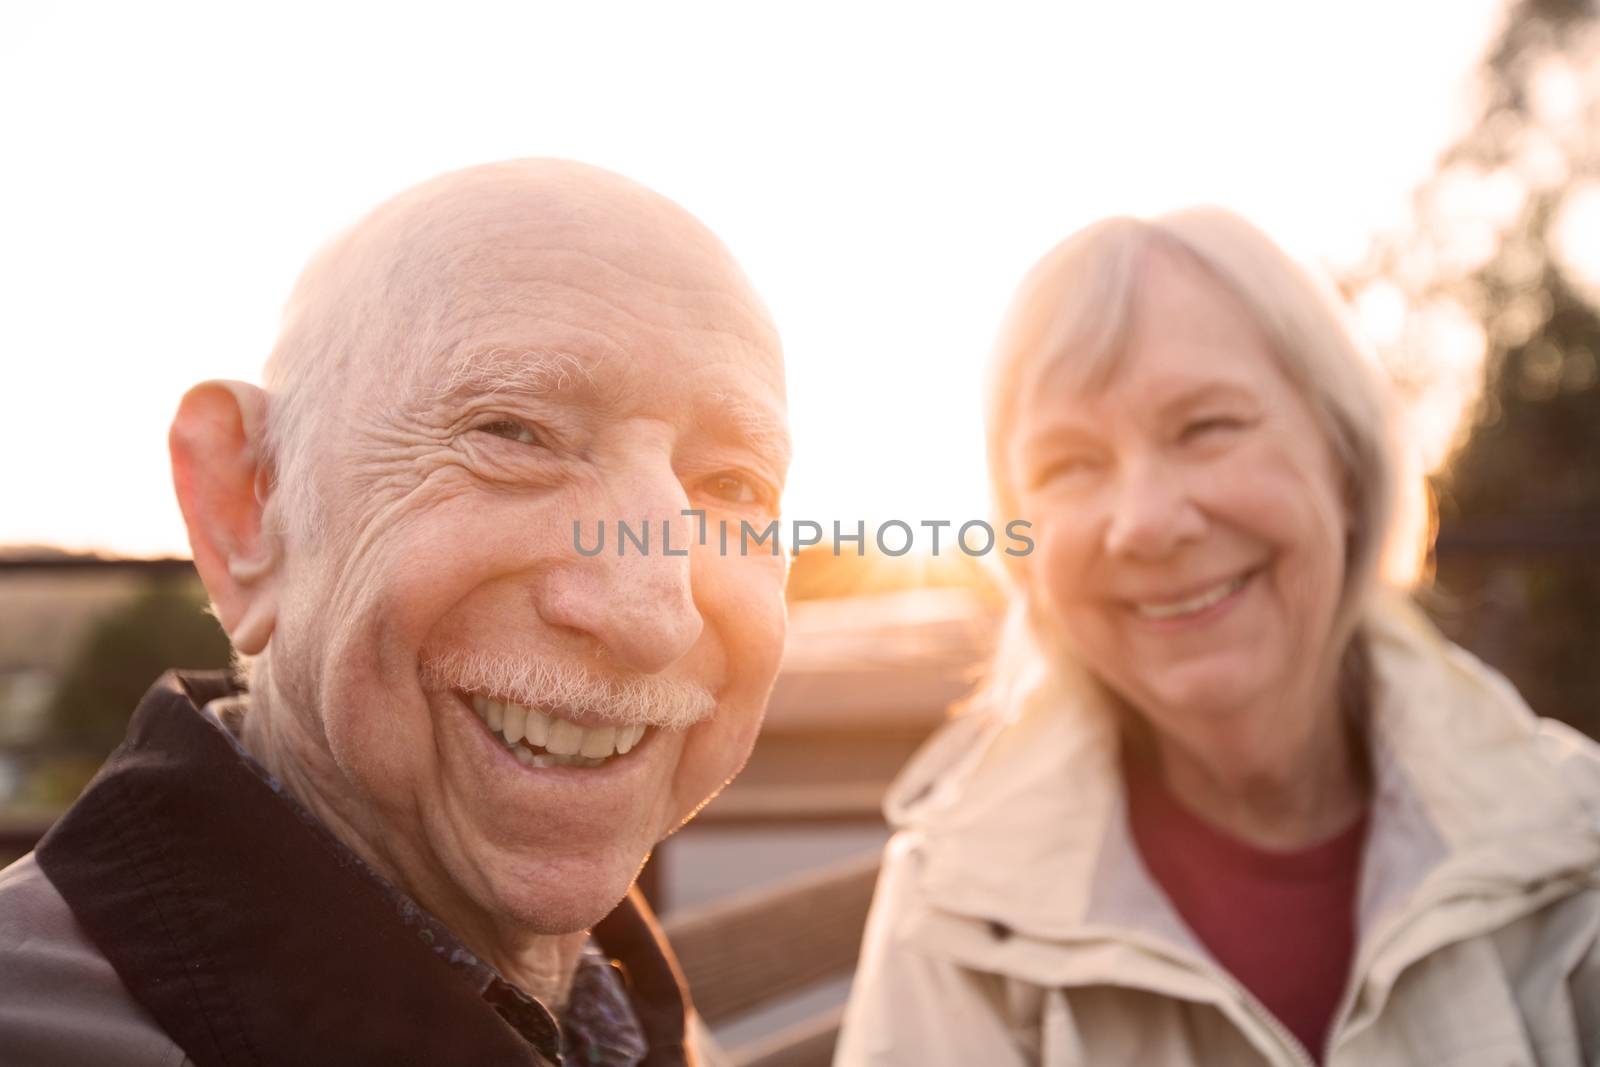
point(1015, 924)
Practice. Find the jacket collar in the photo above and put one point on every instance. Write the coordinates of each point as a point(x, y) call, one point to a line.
point(1020, 817)
point(251, 940)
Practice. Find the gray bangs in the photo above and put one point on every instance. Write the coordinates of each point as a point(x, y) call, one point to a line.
point(1068, 323)
point(1073, 312)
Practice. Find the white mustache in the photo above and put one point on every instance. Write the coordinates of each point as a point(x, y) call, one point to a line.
point(558, 685)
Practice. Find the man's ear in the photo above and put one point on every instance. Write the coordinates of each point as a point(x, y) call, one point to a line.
point(222, 485)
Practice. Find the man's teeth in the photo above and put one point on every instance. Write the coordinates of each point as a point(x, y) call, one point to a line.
point(538, 739)
point(598, 743)
point(1194, 604)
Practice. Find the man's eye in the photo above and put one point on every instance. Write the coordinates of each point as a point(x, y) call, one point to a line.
point(510, 429)
point(732, 489)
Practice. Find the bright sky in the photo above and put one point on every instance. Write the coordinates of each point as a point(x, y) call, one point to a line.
point(884, 171)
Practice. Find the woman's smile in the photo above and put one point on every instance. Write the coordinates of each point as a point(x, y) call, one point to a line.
point(1191, 607)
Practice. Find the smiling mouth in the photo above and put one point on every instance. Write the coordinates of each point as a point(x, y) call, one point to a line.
point(1194, 605)
point(538, 738)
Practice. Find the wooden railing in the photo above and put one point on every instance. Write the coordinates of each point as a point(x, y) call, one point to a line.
point(755, 948)
point(862, 686)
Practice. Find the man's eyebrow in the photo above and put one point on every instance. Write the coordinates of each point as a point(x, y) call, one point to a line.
point(753, 425)
point(494, 371)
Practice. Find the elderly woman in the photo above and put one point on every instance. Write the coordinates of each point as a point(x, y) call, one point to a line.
point(1225, 799)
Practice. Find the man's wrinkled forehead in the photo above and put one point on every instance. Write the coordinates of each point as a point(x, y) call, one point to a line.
point(538, 303)
point(552, 280)
point(557, 339)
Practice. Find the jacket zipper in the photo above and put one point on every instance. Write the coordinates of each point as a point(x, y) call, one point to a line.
point(1253, 1005)
point(1301, 1054)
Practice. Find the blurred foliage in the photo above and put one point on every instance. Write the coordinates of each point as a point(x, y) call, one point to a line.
point(55, 783)
point(1499, 281)
point(163, 626)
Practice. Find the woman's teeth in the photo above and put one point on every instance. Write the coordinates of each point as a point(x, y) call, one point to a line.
point(1194, 604)
point(539, 739)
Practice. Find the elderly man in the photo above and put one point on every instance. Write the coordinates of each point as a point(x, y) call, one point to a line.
point(407, 842)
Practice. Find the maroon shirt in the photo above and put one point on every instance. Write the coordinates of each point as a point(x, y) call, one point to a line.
point(1282, 923)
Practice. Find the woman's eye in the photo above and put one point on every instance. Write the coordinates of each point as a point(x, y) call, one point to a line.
point(732, 489)
point(1213, 425)
point(1065, 468)
point(510, 429)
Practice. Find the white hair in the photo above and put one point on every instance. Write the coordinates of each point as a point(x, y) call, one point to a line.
point(552, 683)
point(1072, 315)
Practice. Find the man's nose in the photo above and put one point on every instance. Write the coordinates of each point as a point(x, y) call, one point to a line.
point(634, 597)
point(1153, 513)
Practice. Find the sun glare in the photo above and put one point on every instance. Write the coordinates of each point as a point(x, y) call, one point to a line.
point(1578, 236)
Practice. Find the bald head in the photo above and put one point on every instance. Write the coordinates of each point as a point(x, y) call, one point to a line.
point(477, 369)
point(394, 302)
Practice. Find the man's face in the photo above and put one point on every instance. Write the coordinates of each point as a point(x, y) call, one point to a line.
point(592, 389)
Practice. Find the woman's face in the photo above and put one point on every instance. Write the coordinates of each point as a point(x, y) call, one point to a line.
point(1190, 526)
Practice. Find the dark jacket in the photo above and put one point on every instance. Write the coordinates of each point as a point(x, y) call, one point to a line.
point(241, 933)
